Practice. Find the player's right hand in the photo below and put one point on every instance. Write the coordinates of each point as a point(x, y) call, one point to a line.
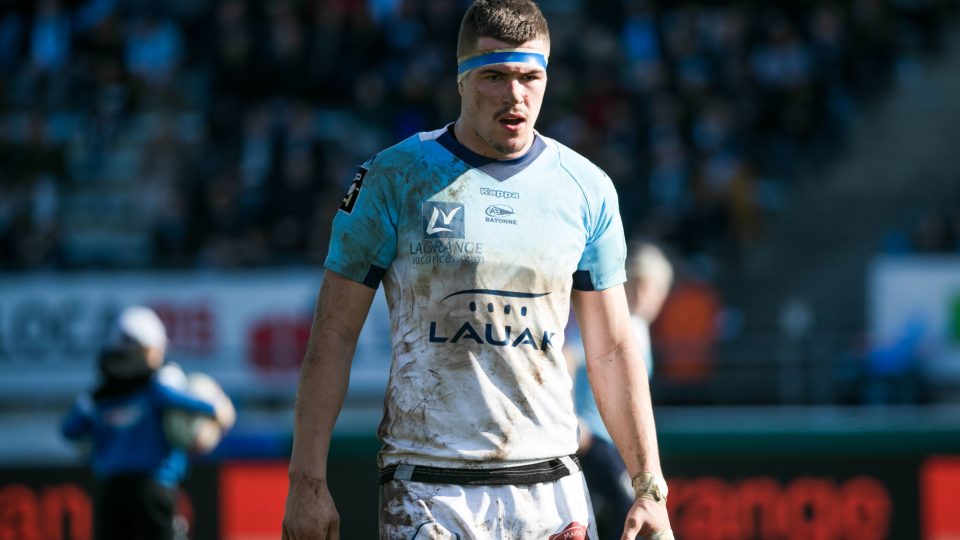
point(310, 513)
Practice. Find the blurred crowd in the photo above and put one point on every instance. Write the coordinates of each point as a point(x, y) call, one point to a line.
point(928, 230)
point(223, 133)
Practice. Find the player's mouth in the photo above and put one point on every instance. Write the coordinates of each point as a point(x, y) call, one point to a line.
point(512, 122)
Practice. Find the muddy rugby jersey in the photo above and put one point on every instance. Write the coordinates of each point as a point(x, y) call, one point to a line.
point(478, 258)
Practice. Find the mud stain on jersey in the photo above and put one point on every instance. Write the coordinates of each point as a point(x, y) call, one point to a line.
point(455, 190)
point(503, 446)
point(386, 421)
point(428, 182)
point(504, 433)
point(416, 391)
point(404, 344)
point(537, 373)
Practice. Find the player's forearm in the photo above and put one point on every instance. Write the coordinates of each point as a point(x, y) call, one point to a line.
point(619, 381)
point(322, 389)
point(342, 307)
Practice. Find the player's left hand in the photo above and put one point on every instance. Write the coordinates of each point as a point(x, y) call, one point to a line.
point(645, 520)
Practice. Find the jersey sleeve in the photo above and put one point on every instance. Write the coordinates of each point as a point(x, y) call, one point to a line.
point(79, 421)
point(602, 264)
point(363, 242)
point(170, 397)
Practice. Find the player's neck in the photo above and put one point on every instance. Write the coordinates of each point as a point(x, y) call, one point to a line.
point(462, 134)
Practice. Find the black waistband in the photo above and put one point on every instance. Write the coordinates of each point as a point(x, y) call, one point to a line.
point(535, 473)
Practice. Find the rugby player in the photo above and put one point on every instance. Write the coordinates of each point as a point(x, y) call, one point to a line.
point(482, 233)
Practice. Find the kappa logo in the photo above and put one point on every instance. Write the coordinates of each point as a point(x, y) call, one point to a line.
point(499, 193)
point(443, 220)
point(573, 531)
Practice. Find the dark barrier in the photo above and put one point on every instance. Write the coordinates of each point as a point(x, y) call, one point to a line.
point(57, 504)
point(715, 494)
point(772, 498)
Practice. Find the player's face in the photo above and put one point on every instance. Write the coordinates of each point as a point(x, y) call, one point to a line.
point(500, 104)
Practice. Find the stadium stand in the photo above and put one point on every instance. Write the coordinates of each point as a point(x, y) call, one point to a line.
point(220, 134)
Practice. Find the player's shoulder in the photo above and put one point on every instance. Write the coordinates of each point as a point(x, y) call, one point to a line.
point(396, 159)
point(386, 171)
point(572, 160)
point(171, 375)
point(579, 168)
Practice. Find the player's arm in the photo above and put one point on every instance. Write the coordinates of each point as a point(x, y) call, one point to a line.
point(169, 390)
point(79, 421)
point(173, 398)
point(341, 309)
point(618, 375)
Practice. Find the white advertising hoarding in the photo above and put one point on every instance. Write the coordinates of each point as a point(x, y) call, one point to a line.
point(246, 329)
point(915, 310)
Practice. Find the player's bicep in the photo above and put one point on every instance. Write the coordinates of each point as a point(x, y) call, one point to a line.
point(604, 320)
point(341, 309)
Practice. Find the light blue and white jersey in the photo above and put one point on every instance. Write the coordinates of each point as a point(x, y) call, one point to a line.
point(478, 258)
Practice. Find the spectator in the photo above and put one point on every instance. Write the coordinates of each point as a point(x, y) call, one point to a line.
point(649, 278)
point(690, 107)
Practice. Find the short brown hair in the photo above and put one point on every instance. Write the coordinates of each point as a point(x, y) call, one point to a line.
point(512, 21)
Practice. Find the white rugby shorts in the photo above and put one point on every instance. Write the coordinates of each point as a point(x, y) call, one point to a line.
point(558, 510)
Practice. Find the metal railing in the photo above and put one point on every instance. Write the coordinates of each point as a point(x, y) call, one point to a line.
point(824, 369)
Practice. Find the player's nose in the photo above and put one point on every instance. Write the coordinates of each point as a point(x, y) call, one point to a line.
point(516, 92)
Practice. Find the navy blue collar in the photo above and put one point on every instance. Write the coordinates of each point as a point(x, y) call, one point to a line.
point(499, 169)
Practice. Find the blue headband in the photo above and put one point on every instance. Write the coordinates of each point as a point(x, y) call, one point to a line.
point(502, 56)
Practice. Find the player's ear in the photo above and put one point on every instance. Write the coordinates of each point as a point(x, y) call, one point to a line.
point(460, 87)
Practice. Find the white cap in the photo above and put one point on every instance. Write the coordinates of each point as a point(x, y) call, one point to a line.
point(140, 325)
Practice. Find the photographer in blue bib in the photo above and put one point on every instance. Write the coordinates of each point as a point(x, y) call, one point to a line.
point(140, 425)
